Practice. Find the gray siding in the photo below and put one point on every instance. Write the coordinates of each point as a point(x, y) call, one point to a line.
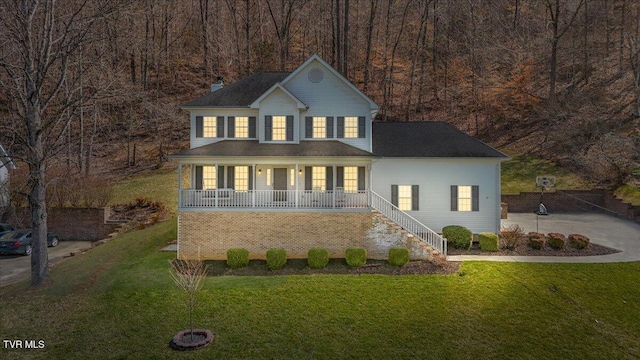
point(435, 177)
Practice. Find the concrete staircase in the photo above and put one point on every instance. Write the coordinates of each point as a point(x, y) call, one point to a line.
point(387, 234)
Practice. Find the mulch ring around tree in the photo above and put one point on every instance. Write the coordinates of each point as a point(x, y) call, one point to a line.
point(185, 341)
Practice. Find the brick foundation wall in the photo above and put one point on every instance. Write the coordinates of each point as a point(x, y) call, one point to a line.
point(212, 233)
point(70, 223)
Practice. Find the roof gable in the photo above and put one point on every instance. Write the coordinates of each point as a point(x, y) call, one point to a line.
point(277, 86)
point(329, 68)
point(429, 140)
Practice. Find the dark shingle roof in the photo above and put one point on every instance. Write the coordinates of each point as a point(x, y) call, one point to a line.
point(427, 139)
point(241, 93)
point(252, 148)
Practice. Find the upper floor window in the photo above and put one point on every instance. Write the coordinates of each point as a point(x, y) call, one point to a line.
point(278, 128)
point(241, 127)
point(318, 127)
point(210, 126)
point(351, 127)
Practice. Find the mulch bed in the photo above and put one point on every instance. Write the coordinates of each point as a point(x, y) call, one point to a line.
point(525, 250)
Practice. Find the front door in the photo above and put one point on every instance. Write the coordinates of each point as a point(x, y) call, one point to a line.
point(280, 183)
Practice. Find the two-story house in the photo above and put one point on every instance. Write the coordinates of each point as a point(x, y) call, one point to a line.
point(294, 160)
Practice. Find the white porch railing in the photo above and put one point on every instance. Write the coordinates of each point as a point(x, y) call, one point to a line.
point(409, 223)
point(311, 199)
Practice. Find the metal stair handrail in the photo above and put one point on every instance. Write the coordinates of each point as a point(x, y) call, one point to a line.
point(409, 223)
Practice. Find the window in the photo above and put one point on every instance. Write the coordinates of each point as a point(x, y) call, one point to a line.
point(465, 198)
point(319, 176)
point(209, 126)
point(319, 127)
point(279, 129)
point(351, 178)
point(209, 177)
point(268, 177)
point(241, 181)
point(351, 127)
point(405, 197)
point(292, 175)
point(241, 127)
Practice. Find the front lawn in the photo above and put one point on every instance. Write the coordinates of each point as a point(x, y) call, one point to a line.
point(118, 301)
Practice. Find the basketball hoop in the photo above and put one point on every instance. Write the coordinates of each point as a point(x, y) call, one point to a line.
point(546, 182)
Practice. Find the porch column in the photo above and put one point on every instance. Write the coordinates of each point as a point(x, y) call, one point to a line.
point(335, 183)
point(217, 193)
point(297, 175)
point(253, 192)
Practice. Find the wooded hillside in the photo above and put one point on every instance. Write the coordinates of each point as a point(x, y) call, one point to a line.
point(560, 78)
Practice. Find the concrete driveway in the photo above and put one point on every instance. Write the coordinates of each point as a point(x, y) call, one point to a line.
point(15, 268)
point(601, 229)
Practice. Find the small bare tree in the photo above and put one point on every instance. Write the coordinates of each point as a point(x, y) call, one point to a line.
point(188, 275)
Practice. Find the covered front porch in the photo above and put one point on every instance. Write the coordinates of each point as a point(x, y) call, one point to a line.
point(274, 185)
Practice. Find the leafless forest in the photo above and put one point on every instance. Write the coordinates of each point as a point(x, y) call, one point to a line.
point(560, 78)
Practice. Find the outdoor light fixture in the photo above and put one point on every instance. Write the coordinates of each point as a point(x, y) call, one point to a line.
point(300, 171)
point(259, 171)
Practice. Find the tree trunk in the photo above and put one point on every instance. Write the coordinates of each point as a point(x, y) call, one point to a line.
point(367, 58)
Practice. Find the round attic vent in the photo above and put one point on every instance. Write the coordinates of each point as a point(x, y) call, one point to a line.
point(316, 75)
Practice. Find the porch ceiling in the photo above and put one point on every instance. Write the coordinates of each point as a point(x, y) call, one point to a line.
point(253, 148)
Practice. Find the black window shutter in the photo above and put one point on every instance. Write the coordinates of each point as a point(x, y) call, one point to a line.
point(289, 127)
point(475, 198)
point(339, 176)
point(220, 127)
point(220, 177)
point(250, 177)
point(308, 185)
point(308, 127)
point(415, 197)
point(199, 126)
point(329, 125)
point(231, 122)
point(198, 177)
point(231, 177)
point(252, 127)
point(394, 195)
point(329, 178)
point(361, 178)
point(268, 126)
point(361, 127)
point(454, 198)
point(340, 127)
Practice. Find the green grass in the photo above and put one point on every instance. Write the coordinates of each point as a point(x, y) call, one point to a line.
point(162, 186)
point(630, 193)
point(118, 301)
point(519, 175)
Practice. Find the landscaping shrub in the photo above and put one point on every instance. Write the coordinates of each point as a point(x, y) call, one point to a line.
point(511, 236)
point(356, 257)
point(237, 258)
point(578, 241)
point(276, 258)
point(318, 258)
point(398, 256)
point(556, 241)
point(457, 236)
point(536, 240)
point(488, 241)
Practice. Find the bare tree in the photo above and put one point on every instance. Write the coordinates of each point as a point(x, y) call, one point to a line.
point(39, 41)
